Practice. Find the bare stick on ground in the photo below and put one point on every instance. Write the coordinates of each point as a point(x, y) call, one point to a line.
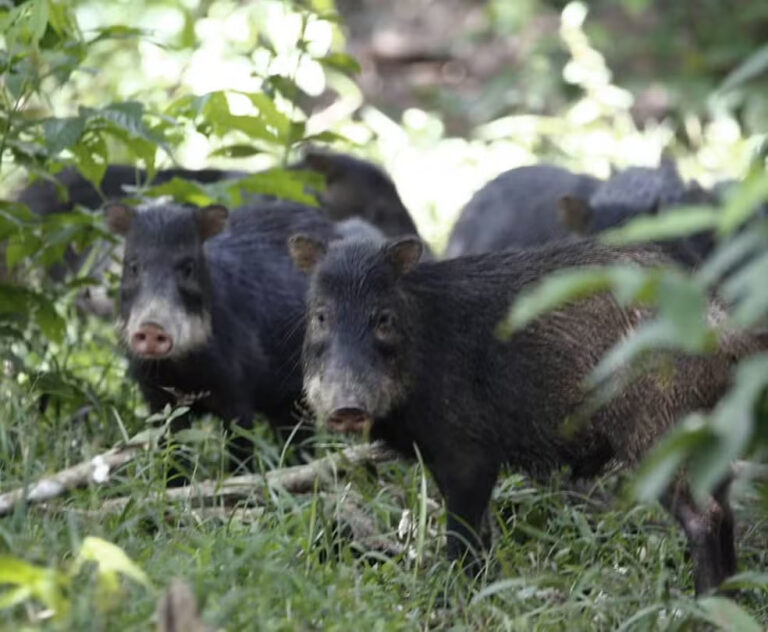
point(95, 470)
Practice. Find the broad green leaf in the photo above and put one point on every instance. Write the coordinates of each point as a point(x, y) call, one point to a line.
point(747, 580)
point(91, 157)
point(667, 456)
point(269, 113)
point(48, 320)
point(118, 31)
point(743, 200)
point(237, 150)
point(325, 137)
point(733, 423)
point(38, 19)
point(554, 291)
point(110, 560)
point(341, 61)
point(182, 191)
point(669, 224)
point(20, 246)
point(38, 582)
point(62, 133)
point(283, 184)
point(15, 596)
point(732, 252)
point(749, 305)
point(728, 615)
point(649, 336)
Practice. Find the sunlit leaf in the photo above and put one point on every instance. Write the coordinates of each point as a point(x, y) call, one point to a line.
point(110, 560)
point(62, 133)
point(674, 223)
point(341, 61)
point(37, 582)
point(743, 201)
point(728, 615)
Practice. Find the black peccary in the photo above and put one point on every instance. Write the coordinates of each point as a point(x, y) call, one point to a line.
point(408, 350)
point(518, 209)
point(638, 191)
point(211, 308)
point(358, 188)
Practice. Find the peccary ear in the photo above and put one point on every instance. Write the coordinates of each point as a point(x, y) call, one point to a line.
point(575, 214)
point(118, 217)
point(403, 254)
point(318, 160)
point(211, 220)
point(305, 251)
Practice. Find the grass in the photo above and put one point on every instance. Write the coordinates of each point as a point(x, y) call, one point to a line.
point(566, 557)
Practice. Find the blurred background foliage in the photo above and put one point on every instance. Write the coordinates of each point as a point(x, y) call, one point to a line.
point(443, 94)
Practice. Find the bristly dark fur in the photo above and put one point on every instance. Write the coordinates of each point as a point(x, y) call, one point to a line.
point(472, 402)
point(255, 298)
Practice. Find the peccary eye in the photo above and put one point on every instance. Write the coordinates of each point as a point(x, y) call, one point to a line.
point(187, 268)
point(320, 316)
point(384, 321)
point(132, 268)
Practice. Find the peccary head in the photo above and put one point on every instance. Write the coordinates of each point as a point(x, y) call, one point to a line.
point(165, 290)
point(357, 188)
point(358, 345)
point(626, 194)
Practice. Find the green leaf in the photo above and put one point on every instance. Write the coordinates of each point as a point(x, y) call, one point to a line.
point(665, 459)
point(728, 615)
point(283, 184)
point(749, 306)
point(732, 421)
point(731, 252)
point(748, 580)
point(341, 61)
point(62, 133)
point(743, 201)
point(38, 19)
point(755, 65)
point(41, 583)
point(119, 32)
point(238, 150)
point(48, 320)
point(268, 112)
point(552, 292)
point(670, 224)
point(91, 157)
point(110, 560)
point(182, 191)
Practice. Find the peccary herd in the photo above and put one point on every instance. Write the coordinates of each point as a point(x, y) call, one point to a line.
point(278, 306)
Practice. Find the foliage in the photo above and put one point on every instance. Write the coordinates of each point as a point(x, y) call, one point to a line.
point(85, 83)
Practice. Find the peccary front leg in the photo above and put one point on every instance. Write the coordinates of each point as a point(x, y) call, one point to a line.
point(709, 531)
point(467, 492)
point(727, 529)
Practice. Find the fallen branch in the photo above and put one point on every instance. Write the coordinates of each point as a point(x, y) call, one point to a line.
point(299, 479)
point(95, 470)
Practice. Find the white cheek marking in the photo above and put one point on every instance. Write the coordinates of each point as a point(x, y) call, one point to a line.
point(188, 331)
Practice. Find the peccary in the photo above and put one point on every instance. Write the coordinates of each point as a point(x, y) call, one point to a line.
point(357, 188)
point(637, 191)
point(211, 308)
point(517, 209)
point(408, 351)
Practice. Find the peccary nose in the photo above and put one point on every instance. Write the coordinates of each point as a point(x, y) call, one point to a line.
point(349, 420)
point(152, 341)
